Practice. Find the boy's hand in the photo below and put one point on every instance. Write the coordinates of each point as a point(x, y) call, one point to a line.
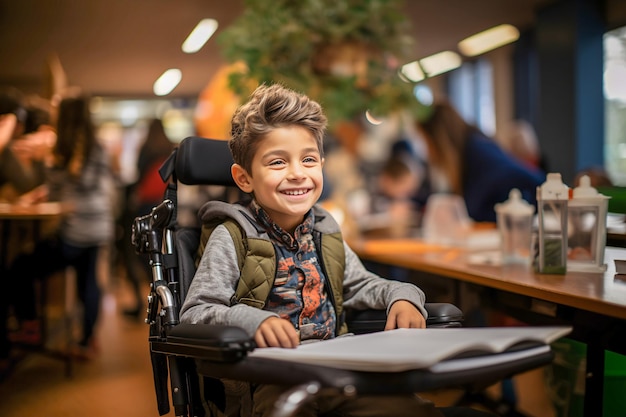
point(404, 315)
point(276, 332)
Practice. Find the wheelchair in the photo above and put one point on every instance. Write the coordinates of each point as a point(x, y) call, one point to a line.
point(194, 358)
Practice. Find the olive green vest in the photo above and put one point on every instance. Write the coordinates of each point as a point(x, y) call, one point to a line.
point(256, 254)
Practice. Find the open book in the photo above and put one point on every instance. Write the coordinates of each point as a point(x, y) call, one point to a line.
point(438, 350)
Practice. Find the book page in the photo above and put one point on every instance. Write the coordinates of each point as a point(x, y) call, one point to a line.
point(406, 349)
point(455, 365)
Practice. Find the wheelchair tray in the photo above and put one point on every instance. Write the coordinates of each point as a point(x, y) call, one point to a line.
point(276, 371)
point(222, 352)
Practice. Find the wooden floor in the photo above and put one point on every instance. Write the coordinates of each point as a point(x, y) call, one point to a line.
point(118, 382)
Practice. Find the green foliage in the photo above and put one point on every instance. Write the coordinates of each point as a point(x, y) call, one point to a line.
point(281, 41)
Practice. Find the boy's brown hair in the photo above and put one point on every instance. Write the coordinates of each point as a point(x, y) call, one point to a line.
point(272, 107)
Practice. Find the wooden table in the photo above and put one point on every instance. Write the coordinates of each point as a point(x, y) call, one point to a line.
point(40, 218)
point(593, 303)
point(32, 211)
point(36, 214)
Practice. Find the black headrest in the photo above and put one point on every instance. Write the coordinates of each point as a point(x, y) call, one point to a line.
point(202, 161)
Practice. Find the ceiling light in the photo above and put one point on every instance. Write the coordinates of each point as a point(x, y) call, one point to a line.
point(424, 94)
point(488, 40)
point(199, 35)
point(411, 72)
point(371, 119)
point(439, 63)
point(167, 82)
point(129, 114)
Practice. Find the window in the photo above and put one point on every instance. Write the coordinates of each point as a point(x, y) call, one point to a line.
point(471, 92)
point(615, 104)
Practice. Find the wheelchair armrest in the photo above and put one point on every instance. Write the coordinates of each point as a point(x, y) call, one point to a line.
point(230, 343)
point(439, 315)
point(205, 341)
point(443, 315)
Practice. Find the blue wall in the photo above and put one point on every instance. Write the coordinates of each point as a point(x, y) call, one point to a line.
point(558, 87)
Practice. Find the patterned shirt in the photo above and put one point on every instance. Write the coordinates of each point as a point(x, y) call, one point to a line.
point(299, 292)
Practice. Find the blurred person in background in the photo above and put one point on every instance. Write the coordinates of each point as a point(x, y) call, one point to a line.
point(82, 179)
point(464, 161)
point(155, 150)
point(34, 148)
point(22, 165)
point(11, 172)
point(141, 197)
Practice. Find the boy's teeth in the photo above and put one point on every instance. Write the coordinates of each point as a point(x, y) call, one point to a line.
point(297, 192)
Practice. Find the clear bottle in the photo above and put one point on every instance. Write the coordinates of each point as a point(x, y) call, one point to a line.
point(514, 218)
point(552, 198)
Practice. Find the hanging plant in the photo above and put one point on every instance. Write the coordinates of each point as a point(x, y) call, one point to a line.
point(343, 53)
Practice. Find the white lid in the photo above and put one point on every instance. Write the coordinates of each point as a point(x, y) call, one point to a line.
point(515, 205)
point(553, 188)
point(585, 190)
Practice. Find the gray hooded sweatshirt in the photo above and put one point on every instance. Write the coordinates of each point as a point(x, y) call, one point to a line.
point(211, 291)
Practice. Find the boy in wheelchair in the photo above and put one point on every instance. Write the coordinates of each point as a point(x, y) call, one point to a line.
point(277, 265)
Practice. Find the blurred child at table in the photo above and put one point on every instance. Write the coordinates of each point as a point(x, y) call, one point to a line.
point(393, 198)
point(81, 177)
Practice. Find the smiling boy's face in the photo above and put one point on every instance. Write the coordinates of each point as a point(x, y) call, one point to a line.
point(286, 175)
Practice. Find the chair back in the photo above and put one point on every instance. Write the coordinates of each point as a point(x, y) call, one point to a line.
point(201, 161)
point(196, 161)
point(186, 241)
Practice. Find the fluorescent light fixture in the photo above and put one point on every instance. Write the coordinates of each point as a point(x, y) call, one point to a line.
point(441, 62)
point(430, 66)
point(488, 40)
point(199, 35)
point(167, 82)
point(411, 72)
